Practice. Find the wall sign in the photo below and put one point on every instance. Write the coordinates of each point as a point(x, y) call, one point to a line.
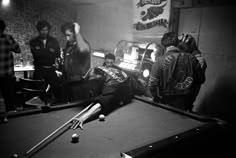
point(149, 14)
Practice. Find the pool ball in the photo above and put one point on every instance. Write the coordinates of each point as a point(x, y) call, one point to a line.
point(5, 120)
point(75, 138)
point(14, 156)
point(101, 117)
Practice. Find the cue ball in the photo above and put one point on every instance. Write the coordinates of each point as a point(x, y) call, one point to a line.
point(75, 138)
point(101, 117)
point(14, 156)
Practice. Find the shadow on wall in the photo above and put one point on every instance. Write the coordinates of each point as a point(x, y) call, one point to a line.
point(221, 101)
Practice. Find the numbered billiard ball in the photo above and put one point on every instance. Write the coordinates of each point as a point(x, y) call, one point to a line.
point(101, 117)
point(75, 138)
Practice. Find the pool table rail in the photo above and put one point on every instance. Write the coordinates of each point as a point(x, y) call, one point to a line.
point(208, 139)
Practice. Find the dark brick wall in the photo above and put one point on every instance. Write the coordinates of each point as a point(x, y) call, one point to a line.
point(22, 15)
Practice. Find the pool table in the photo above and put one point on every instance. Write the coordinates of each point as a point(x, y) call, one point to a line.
point(138, 129)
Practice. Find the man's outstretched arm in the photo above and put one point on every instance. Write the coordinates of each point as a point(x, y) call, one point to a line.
point(94, 110)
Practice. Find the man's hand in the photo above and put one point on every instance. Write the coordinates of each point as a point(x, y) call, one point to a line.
point(143, 82)
point(77, 122)
point(77, 27)
point(59, 73)
point(185, 37)
point(201, 60)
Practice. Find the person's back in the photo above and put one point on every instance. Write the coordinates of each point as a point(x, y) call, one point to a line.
point(175, 74)
point(188, 44)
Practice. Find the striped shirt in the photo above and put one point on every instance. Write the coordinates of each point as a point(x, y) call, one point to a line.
point(7, 46)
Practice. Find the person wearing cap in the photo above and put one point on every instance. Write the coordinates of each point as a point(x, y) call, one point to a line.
point(174, 75)
point(187, 44)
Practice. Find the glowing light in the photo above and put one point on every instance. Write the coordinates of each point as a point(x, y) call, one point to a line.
point(132, 55)
point(146, 73)
point(153, 56)
point(5, 3)
point(99, 54)
point(127, 66)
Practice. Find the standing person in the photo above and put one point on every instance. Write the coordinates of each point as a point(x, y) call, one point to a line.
point(7, 75)
point(175, 75)
point(188, 44)
point(45, 49)
point(77, 53)
point(76, 61)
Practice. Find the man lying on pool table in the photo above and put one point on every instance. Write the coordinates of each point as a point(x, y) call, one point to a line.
point(116, 89)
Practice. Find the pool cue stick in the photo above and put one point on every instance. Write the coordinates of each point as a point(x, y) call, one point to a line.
point(58, 129)
point(36, 150)
point(87, 73)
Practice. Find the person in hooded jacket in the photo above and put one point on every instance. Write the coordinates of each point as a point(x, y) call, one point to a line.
point(187, 44)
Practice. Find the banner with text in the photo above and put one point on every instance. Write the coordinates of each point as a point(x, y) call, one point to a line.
point(151, 16)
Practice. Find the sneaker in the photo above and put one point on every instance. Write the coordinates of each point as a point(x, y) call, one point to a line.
point(5, 120)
